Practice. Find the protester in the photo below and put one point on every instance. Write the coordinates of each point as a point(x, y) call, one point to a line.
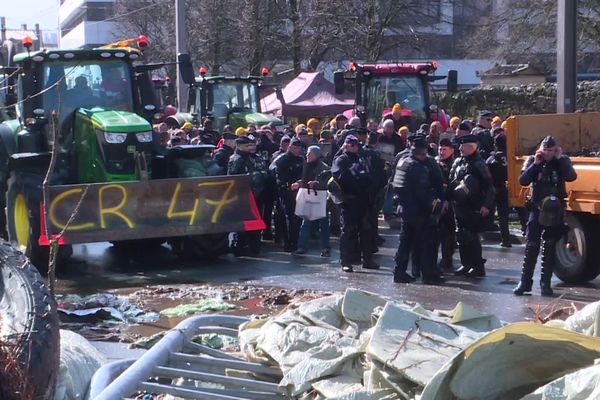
point(223, 153)
point(389, 136)
point(396, 117)
point(315, 176)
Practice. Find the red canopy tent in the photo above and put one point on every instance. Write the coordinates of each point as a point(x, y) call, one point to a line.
point(308, 95)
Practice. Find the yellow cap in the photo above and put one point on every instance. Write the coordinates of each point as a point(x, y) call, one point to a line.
point(187, 125)
point(240, 131)
point(404, 130)
point(299, 127)
point(454, 120)
point(496, 119)
point(397, 108)
point(313, 121)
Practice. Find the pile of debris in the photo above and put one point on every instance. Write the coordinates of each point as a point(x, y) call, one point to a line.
point(362, 346)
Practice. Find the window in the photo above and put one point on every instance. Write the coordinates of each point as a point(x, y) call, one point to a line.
point(99, 11)
point(86, 84)
point(382, 92)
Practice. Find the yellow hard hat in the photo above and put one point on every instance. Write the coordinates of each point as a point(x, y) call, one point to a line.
point(187, 125)
point(397, 108)
point(299, 127)
point(240, 131)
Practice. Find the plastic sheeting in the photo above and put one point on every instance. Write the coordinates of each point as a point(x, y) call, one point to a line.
point(580, 385)
point(79, 360)
point(511, 362)
point(360, 346)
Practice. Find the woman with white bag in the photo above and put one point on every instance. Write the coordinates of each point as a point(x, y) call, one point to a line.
point(311, 201)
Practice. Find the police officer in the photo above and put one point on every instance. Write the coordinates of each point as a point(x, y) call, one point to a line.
point(483, 132)
point(379, 175)
point(288, 171)
point(223, 153)
point(351, 174)
point(447, 227)
point(498, 167)
point(546, 172)
point(421, 208)
point(246, 161)
point(473, 197)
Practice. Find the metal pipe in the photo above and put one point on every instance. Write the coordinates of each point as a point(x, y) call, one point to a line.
point(181, 39)
point(208, 393)
point(130, 380)
point(566, 54)
point(228, 381)
point(234, 364)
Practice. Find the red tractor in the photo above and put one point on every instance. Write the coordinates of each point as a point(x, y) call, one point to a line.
point(379, 86)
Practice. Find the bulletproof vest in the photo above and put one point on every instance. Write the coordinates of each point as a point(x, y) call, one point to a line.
point(467, 188)
point(486, 140)
point(402, 168)
point(548, 182)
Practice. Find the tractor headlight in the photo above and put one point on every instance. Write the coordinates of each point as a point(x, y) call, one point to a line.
point(115, 137)
point(144, 137)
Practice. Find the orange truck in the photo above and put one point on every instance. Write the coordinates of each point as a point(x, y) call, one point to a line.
point(578, 134)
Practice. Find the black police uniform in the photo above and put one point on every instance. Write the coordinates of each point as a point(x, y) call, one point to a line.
point(421, 202)
point(498, 167)
point(265, 150)
point(242, 163)
point(379, 178)
point(547, 181)
point(447, 226)
point(486, 139)
point(288, 169)
point(221, 156)
point(352, 174)
point(471, 188)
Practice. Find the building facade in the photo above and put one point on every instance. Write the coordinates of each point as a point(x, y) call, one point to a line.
point(86, 23)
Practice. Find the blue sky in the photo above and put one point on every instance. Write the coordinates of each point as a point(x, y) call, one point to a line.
point(30, 12)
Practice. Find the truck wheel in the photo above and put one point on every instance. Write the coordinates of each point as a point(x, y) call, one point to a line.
point(23, 222)
point(29, 319)
point(576, 260)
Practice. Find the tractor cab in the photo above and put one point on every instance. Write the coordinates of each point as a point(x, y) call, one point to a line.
point(379, 86)
point(100, 113)
point(231, 101)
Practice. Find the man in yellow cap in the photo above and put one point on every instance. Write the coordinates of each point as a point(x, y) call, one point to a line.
point(187, 127)
point(313, 125)
point(397, 117)
point(496, 122)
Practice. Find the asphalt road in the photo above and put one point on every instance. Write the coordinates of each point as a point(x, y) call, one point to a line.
point(99, 268)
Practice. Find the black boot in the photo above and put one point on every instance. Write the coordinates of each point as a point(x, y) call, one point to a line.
point(532, 250)
point(548, 261)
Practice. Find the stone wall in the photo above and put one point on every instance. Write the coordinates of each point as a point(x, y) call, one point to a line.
point(505, 101)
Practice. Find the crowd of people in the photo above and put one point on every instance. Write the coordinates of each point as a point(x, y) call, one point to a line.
point(445, 182)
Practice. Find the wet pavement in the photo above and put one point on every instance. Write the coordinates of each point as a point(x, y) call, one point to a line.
point(97, 268)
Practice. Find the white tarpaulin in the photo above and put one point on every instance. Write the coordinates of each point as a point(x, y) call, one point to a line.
point(360, 346)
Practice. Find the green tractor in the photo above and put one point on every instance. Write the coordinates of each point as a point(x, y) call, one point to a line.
point(91, 108)
point(229, 100)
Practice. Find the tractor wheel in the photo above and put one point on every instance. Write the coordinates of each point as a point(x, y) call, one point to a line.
point(29, 320)
point(576, 252)
point(204, 247)
point(23, 222)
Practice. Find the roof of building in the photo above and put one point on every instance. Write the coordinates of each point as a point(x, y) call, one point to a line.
point(511, 70)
